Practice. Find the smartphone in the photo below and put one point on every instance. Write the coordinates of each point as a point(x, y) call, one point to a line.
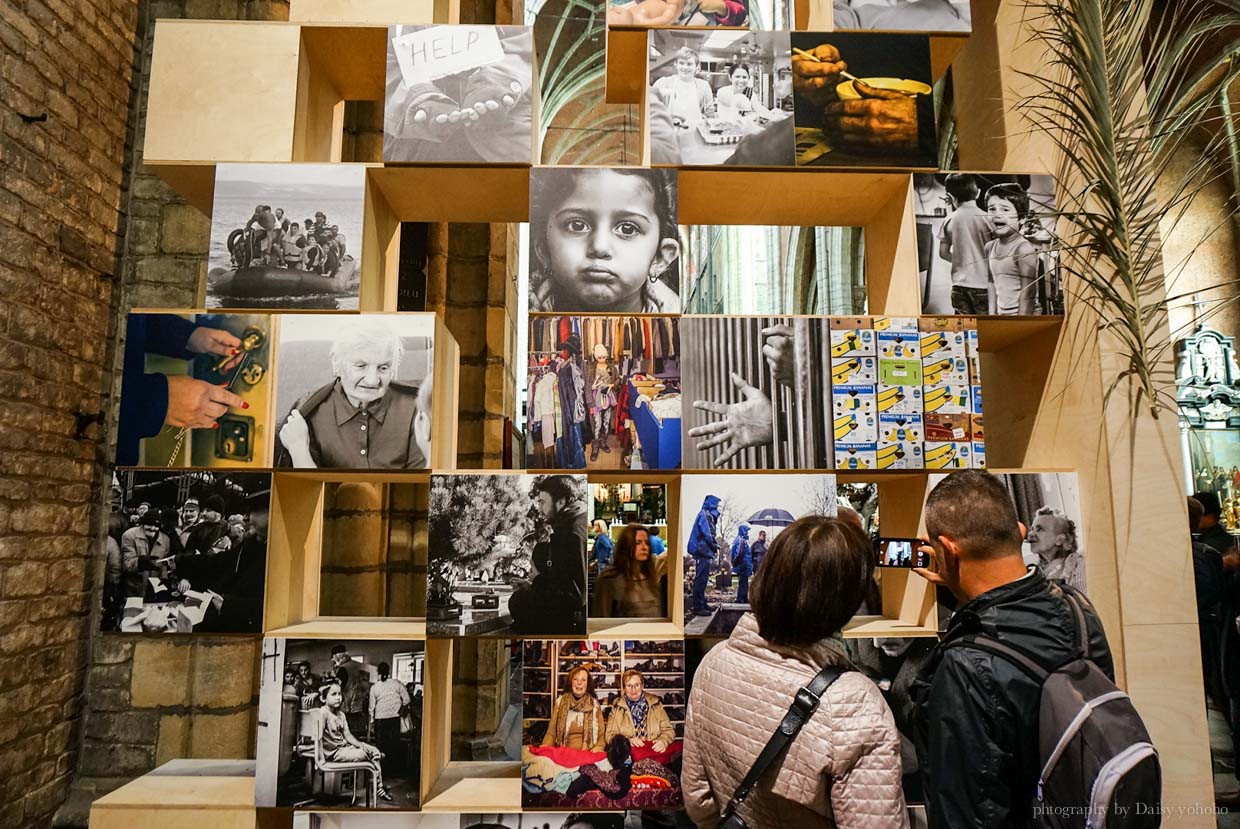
point(901, 552)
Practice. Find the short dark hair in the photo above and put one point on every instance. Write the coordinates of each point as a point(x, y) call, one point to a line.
point(1209, 503)
point(385, 670)
point(1011, 192)
point(1195, 511)
point(961, 186)
point(339, 649)
point(557, 486)
point(812, 580)
point(974, 508)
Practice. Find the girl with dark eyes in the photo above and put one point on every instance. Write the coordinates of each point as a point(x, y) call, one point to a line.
point(604, 241)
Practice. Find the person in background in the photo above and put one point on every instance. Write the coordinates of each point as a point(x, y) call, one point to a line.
point(635, 585)
point(141, 548)
point(602, 544)
point(1211, 530)
point(757, 550)
point(966, 233)
point(639, 716)
point(210, 535)
point(977, 715)
point(353, 686)
point(688, 98)
point(1208, 582)
point(307, 682)
point(742, 563)
point(555, 599)
point(577, 717)
point(188, 516)
point(703, 547)
point(657, 545)
point(843, 768)
point(388, 700)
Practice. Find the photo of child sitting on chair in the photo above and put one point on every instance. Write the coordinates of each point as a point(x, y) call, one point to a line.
point(340, 724)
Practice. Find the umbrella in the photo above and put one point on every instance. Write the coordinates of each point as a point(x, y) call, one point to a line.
point(771, 517)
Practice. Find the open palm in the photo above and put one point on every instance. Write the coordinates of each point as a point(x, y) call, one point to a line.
point(744, 424)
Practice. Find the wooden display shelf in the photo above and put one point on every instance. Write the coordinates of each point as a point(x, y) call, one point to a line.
point(351, 627)
point(156, 801)
point(477, 787)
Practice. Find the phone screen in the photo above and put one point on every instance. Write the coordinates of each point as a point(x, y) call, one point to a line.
point(901, 552)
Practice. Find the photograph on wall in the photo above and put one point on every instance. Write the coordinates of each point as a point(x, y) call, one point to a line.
point(1049, 505)
point(628, 566)
point(603, 724)
point(604, 240)
point(769, 269)
point(603, 393)
point(881, 117)
point(697, 13)
point(507, 555)
point(186, 552)
point(720, 98)
point(727, 523)
point(340, 724)
point(355, 392)
point(459, 94)
point(286, 236)
point(194, 390)
point(374, 820)
point(902, 15)
point(543, 820)
point(987, 245)
point(758, 392)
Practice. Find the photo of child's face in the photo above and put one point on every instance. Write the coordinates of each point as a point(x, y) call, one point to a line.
point(1004, 219)
point(332, 697)
point(603, 239)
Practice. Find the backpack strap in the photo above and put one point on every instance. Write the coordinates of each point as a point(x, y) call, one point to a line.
point(803, 706)
point(1078, 616)
point(994, 647)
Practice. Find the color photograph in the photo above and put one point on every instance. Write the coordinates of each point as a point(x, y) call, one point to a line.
point(603, 723)
point(698, 13)
point(720, 98)
point(459, 94)
point(507, 555)
point(604, 240)
point(902, 15)
point(603, 393)
point(759, 392)
point(340, 724)
point(728, 522)
point(186, 552)
point(628, 565)
point(286, 236)
point(542, 820)
point(863, 99)
point(355, 392)
point(986, 244)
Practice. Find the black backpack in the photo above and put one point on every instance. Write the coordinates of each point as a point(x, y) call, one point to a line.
point(1099, 767)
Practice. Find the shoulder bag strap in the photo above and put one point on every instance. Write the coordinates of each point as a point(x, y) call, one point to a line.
point(803, 706)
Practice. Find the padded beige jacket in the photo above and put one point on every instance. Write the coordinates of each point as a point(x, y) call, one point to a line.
point(843, 768)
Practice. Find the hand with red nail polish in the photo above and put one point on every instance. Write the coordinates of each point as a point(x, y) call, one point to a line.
point(197, 404)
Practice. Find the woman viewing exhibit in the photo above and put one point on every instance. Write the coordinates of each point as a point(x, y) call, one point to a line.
point(640, 716)
point(843, 767)
point(635, 583)
point(577, 719)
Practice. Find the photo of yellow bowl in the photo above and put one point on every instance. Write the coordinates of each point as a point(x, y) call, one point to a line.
point(848, 92)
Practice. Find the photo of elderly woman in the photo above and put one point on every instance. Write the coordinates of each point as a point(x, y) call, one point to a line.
point(603, 723)
point(340, 724)
point(459, 94)
point(720, 98)
point(902, 15)
point(355, 394)
point(604, 240)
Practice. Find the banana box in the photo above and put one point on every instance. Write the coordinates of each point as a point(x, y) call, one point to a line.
point(943, 371)
point(900, 399)
point(979, 455)
point(856, 456)
point(899, 345)
point(947, 399)
point(899, 372)
point(855, 370)
point(851, 336)
point(977, 428)
point(975, 356)
point(943, 336)
point(948, 455)
point(948, 428)
point(893, 428)
point(882, 324)
point(975, 400)
point(900, 455)
point(854, 427)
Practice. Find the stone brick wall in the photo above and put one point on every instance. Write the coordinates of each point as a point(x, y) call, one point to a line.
point(64, 94)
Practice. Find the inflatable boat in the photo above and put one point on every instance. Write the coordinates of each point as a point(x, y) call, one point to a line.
point(267, 281)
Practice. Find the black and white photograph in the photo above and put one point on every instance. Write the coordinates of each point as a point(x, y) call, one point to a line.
point(863, 99)
point(728, 523)
point(603, 393)
point(986, 244)
point(195, 390)
point(720, 97)
point(1049, 505)
point(696, 13)
point(459, 95)
point(340, 724)
point(286, 236)
point(758, 392)
point(902, 15)
point(772, 269)
point(543, 820)
point(355, 393)
point(507, 555)
point(604, 240)
point(186, 552)
point(363, 820)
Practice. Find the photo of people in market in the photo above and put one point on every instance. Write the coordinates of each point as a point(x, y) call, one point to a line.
point(355, 394)
point(627, 565)
point(603, 723)
point(604, 240)
point(863, 99)
point(286, 236)
point(759, 391)
point(542, 820)
point(986, 244)
point(194, 390)
point(698, 13)
point(720, 98)
point(186, 552)
point(459, 94)
point(507, 555)
point(603, 393)
point(728, 523)
point(902, 15)
point(340, 724)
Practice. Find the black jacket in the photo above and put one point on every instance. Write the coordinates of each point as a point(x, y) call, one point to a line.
point(977, 714)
